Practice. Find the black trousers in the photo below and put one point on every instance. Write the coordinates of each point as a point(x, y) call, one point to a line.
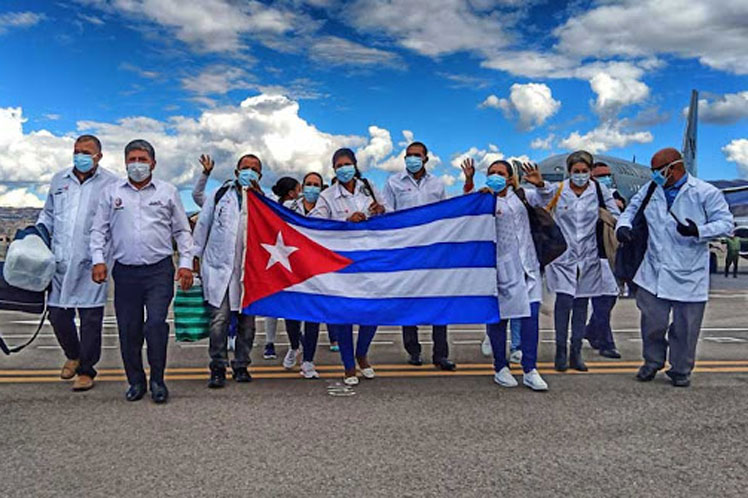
point(730, 261)
point(87, 347)
point(439, 336)
point(137, 289)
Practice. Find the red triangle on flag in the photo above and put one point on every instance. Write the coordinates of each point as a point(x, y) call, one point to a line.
point(278, 256)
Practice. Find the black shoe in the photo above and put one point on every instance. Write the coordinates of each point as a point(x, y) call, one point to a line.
point(678, 380)
point(610, 353)
point(445, 364)
point(559, 363)
point(576, 361)
point(241, 375)
point(415, 360)
point(217, 378)
point(646, 373)
point(135, 392)
point(159, 393)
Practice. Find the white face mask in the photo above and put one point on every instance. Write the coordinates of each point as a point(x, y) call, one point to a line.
point(580, 179)
point(138, 172)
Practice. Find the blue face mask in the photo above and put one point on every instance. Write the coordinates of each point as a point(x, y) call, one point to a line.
point(345, 173)
point(580, 179)
point(605, 180)
point(658, 177)
point(413, 164)
point(311, 193)
point(497, 183)
point(83, 162)
point(138, 172)
point(247, 176)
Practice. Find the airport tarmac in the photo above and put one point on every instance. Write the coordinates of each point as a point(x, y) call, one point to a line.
point(413, 431)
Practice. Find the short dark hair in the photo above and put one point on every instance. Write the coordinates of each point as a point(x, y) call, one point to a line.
point(89, 138)
point(419, 144)
point(506, 164)
point(580, 156)
point(344, 152)
point(284, 185)
point(140, 144)
point(321, 180)
point(600, 164)
point(248, 156)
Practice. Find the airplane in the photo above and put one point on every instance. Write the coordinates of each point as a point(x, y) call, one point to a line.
point(630, 176)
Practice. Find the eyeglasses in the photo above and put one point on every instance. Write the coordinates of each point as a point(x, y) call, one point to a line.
point(668, 165)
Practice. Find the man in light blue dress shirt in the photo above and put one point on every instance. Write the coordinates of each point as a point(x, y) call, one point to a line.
point(136, 220)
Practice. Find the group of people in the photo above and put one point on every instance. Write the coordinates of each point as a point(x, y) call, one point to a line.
point(102, 224)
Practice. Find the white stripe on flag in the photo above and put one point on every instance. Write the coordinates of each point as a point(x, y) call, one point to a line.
point(411, 283)
point(462, 229)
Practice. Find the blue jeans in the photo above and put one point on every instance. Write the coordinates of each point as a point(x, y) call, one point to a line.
point(529, 331)
point(598, 330)
point(344, 334)
point(515, 325)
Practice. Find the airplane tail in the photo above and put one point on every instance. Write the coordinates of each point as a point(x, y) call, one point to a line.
point(689, 137)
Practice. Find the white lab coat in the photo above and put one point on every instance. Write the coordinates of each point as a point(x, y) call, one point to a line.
point(579, 271)
point(336, 203)
point(677, 267)
point(517, 264)
point(403, 191)
point(219, 243)
point(68, 215)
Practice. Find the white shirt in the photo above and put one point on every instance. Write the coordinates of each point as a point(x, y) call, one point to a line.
point(139, 225)
point(677, 267)
point(198, 191)
point(337, 203)
point(68, 214)
point(579, 271)
point(403, 191)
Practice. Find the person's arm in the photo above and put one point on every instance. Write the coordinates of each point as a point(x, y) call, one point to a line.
point(719, 220)
point(101, 229)
point(203, 225)
point(198, 192)
point(610, 202)
point(386, 206)
point(180, 231)
point(47, 214)
point(627, 217)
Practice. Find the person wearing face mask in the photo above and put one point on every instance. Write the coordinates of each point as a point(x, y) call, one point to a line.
point(601, 172)
point(518, 270)
point(136, 221)
point(219, 243)
point(415, 186)
point(352, 198)
point(68, 214)
point(683, 215)
point(579, 273)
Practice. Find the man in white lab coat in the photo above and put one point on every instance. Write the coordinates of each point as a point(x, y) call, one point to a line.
point(68, 213)
point(683, 215)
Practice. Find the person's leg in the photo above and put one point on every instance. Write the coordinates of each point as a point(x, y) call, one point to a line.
point(63, 325)
point(271, 328)
point(218, 338)
point(605, 308)
point(245, 337)
point(344, 333)
point(129, 300)
point(410, 340)
point(655, 315)
point(530, 332)
point(683, 337)
point(310, 339)
point(293, 330)
point(515, 326)
point(561, 314)
point(578, 325)
point(158, 297)
point(440, 350)
point(90, 343)
point(496, 333)
point(365, 337)
point(728, 261)
point(592, 330)
point(332, 338)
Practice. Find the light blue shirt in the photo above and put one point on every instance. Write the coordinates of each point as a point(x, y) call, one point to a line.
point(403, 191)
point(68, 215)
point(139, 225)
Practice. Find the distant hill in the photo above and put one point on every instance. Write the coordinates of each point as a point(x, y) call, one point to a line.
point(11, 219)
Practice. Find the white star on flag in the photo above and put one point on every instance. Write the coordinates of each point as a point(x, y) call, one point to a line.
point(279, 252)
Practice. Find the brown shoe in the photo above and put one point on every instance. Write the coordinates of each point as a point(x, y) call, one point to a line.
point(83, 383)
point(69, 368)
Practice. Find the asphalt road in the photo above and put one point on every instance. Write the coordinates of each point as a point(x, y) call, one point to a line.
point(411, 432)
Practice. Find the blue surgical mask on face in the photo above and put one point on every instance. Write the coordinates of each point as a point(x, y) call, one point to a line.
point(345, 173)
point(138, 172)
point(83, 162)
point(658, 177)
point(413, 164)
point(605, 180)
point(247, 176)
point(580, 179)
point(495, 182)
point(311, 193)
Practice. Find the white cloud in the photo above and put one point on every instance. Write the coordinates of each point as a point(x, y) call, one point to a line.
point(608, 135)
point(482, 157)
point(126, 66)
point(217, 80)
point(378, 148)
point(335, 51)
point(737, 152)
point(723, 109)
point(449, 180)
point(615, 93)
point(533, 104)
point(11, 20)
point(396, 161)
point(19, 197)
point(543, 143)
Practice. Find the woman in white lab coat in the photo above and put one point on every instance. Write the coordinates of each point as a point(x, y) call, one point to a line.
point(352, 199)
point(579, 273)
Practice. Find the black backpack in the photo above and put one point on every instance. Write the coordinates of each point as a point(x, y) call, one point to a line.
point(630, 255)
point(547, 237)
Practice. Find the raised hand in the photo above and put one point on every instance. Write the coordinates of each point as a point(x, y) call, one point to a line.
point(207, 163)
point(468, 168)
point(532, 174)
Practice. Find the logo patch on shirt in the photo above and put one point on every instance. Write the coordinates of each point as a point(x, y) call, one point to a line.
point(155, 203)
point(117, 203)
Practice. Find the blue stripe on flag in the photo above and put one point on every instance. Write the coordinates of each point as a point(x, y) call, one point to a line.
point(441, 255)
point(463, 205)
point(392, 311)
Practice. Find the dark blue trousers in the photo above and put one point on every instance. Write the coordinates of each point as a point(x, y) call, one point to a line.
point(139, 289)
point(598, 330)
point(529, 331)
point(87, 347)
point(308, 339)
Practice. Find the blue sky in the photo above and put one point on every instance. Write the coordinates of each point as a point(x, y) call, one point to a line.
point(293, 80)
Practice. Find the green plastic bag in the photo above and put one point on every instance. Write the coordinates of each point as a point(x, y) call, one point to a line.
point(191, 315)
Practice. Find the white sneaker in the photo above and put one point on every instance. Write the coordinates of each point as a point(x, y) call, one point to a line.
point(505, 378)
point(534, 381)
point(290, 360)
point(308, 370)
point(485, 347)
point(515, 357)
point(350, 381)
point(368, 373)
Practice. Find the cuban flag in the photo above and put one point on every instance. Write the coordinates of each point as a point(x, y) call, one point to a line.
point(433, 265)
